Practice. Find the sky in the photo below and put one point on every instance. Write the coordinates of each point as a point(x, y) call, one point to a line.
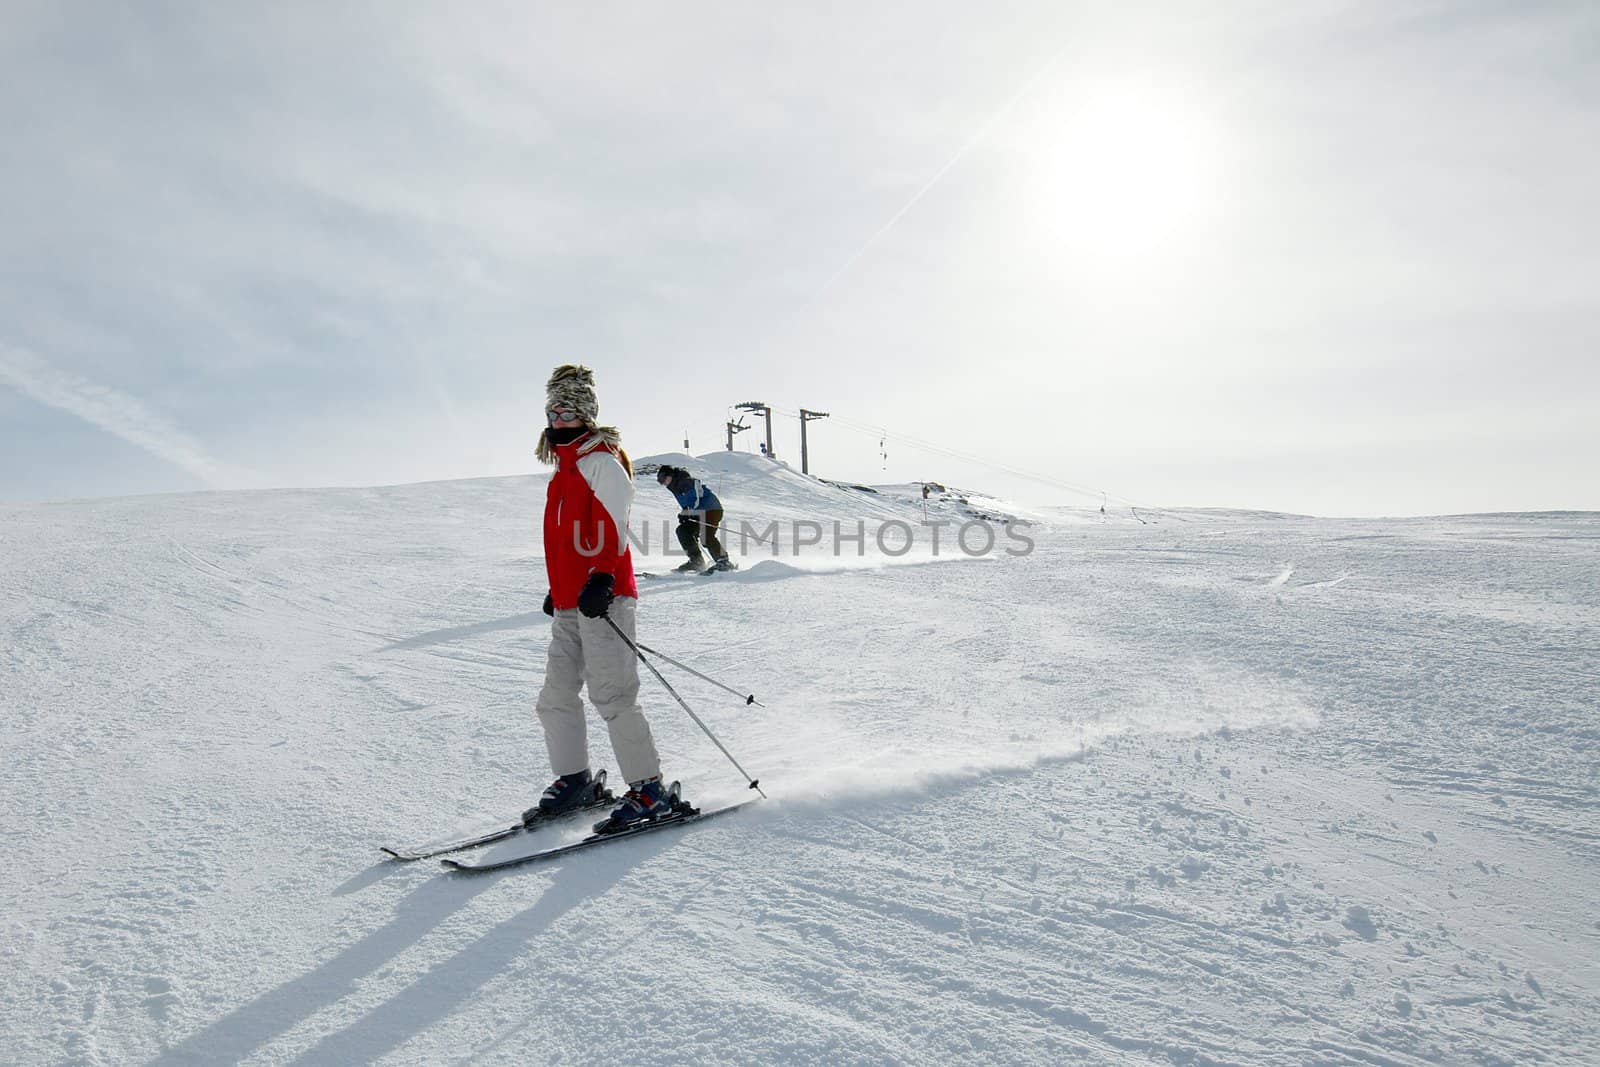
point(1326, 258)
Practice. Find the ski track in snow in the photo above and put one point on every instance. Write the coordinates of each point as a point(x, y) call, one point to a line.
point(1147, 795)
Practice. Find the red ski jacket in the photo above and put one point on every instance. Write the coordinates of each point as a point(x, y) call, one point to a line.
point(586, 520)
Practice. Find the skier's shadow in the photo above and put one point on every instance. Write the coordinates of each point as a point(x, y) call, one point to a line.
point(525, 621)
point(440, 991)
point(376, 873)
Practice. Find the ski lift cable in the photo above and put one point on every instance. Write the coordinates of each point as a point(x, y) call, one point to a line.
point(928, 446)
point(882, 434)
point(1059, 483)
point(983, 132)
point(810, 305)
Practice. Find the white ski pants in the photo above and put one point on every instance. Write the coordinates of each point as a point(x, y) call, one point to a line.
point(589, 651)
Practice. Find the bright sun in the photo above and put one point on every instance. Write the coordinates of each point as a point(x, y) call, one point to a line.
point(1130, 171)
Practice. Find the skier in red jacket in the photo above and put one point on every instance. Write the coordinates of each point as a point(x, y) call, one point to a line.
point(591, 580)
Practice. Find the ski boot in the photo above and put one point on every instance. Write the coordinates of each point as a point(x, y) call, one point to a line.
point(693, 565)
point(724, 564)
point(647, 801)
point(569, 793)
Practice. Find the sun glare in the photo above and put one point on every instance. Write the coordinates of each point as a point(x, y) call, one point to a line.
point(1129, 173)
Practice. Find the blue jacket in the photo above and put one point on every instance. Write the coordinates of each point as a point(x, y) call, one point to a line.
point(692, 493)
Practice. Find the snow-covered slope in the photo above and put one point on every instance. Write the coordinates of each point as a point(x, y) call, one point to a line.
point(1247, 791)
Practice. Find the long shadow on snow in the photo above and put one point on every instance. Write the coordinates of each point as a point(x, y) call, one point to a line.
point(765, 570)
point(432, 997)
point(776, 570)
point(447, 985)
point(384, 868)
point(456, 633)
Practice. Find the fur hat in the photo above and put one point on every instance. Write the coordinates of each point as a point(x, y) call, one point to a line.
point(571, 385)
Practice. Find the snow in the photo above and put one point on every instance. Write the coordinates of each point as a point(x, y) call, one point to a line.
point(1220, 788)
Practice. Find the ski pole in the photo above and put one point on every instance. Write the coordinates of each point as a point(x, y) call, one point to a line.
point(746, 533)
point(754, 784)
point(749, 698)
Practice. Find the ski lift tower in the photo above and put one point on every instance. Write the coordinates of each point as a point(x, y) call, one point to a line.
point(805, 417)
point(761, 409)
point(733, 428)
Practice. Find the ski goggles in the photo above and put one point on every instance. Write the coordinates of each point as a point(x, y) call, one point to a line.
point(556, 415)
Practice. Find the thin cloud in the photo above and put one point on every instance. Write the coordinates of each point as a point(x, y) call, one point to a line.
point(115, 412)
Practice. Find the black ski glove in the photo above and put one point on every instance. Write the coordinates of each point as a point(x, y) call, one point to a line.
point(595, 600)
point(549, 606)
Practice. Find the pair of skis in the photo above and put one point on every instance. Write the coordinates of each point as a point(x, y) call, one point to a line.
point(681, 814)
point(517, 829)
point(708, 572)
